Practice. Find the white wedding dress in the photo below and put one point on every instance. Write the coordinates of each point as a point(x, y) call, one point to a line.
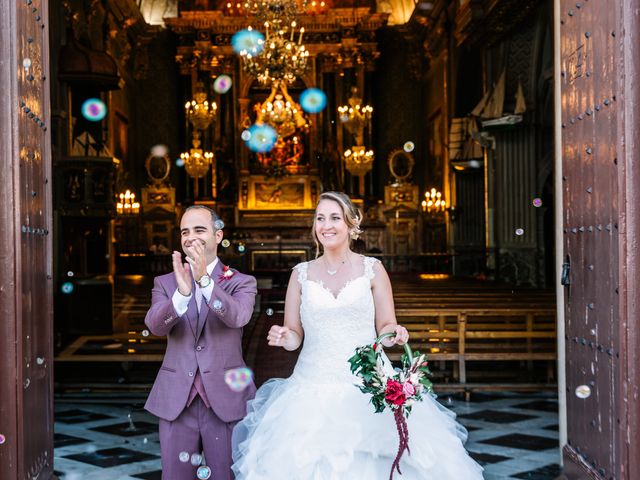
point(317, 425)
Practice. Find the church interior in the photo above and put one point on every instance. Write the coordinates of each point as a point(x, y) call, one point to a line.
point(437, 119)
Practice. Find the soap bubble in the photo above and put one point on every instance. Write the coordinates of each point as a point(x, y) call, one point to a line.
point(26, 63)
point(537, 202)
point(145, 333)
point(159, 150)
point(583, 391)
point(313, 100)
point(238, 378)
point(263, 138)
point(2, 439)
point(184, 457)
point(203, 472)
point(94, 109)
point(519, 231)
point(67, 288)
point(196, 459)
point(69, 273)
point(269, 311)
point(409, 146)
point(248, 40)
point(222, 84)
point(179, 162)
point(245, 135)
point(226, 243)
point(219, 224)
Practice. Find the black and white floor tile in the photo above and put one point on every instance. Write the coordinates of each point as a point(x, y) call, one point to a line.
point(514, 436)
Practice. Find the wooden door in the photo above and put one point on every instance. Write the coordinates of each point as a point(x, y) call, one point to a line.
point(599, 50)
point(26, 301)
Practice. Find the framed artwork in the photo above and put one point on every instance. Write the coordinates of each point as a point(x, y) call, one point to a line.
point(288, 193)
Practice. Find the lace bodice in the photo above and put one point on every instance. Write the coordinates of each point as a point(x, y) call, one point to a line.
point(334, 325)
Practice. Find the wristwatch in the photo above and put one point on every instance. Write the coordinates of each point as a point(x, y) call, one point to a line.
point(204, 281)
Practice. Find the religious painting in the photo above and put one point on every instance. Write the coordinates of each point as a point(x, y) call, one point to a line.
point(279, 195)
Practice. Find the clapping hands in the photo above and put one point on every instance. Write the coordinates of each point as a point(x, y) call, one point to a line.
point(182, 272)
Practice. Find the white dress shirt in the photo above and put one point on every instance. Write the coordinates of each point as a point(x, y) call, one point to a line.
point(181, 302)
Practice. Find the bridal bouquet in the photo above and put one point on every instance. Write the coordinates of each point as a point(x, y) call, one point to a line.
point(398, 391)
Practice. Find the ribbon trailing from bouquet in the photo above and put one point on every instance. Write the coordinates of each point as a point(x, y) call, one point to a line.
point(397, 392)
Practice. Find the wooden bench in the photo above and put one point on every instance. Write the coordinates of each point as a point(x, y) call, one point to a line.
point(462, 333)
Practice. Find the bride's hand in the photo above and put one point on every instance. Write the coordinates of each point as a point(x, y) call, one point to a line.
point(402, 335)
point(278, 336)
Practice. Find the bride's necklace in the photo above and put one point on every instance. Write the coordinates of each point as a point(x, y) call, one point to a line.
point(333, 272)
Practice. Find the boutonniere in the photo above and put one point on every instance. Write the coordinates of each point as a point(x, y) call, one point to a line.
point(227, 273)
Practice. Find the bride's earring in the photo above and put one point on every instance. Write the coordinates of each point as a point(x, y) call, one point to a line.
point(353, 234)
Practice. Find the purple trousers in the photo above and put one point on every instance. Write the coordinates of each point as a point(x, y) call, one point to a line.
point(195, 430)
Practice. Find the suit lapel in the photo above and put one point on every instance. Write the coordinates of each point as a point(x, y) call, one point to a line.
point(204, 309)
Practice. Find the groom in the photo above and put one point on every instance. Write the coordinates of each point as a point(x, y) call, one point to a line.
point(201, 307)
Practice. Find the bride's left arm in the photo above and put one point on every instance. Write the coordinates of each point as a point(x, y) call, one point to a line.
point(385, 312)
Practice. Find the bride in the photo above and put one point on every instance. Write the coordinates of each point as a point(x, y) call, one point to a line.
point(316, 424)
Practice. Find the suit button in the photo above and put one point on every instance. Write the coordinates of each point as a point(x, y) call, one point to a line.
point(191, 374)
point(198, 348)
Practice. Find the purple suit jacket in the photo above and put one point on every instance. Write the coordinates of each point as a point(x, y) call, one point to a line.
point(210, 342)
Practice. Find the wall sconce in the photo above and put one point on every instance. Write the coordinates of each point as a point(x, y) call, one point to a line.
point(127, 204)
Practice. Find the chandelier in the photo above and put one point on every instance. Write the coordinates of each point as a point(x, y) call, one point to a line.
point(433, 202)
point(278, 55)
point(127, 204)
point(196, 161)
point(200, 113)
point(359, 161)
point(281, 112)
point(356, 117)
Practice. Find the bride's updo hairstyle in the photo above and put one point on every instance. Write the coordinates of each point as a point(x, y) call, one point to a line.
point(352, 216)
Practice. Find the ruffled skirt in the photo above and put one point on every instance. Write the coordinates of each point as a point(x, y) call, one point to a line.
point(299, 430)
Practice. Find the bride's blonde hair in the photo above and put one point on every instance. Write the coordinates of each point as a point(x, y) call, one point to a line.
point(352, 216)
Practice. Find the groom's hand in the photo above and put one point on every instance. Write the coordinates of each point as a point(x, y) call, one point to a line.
point(182, 273)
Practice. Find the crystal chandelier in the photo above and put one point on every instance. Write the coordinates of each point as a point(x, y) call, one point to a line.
point(197, 161)
point(200, 113)
point(281, 112)
point(359, 161)
point(279, 55)
point(356, 117)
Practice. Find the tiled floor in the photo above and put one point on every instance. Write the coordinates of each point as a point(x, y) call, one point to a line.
point(514, 436)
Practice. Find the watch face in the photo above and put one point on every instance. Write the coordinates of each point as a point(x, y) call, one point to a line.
point(204, 281)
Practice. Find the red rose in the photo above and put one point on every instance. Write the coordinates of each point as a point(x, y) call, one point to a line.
point(394, 393)
point(374, 346)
